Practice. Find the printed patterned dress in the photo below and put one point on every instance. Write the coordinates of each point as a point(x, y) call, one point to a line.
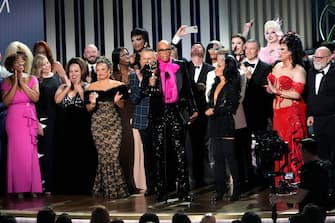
point(107, 135)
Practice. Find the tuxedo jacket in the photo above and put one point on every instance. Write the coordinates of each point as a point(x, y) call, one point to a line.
point(186, 100)
point(257, 102)
point(323, 103)
point(93, 74)
point(199, 87)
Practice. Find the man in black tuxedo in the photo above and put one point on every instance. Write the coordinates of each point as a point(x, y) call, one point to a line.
point(196, 142)
point(257, 102)
point(321, 102)
point(91, 54)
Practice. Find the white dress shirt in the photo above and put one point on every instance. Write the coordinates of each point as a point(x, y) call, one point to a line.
point(197, 73)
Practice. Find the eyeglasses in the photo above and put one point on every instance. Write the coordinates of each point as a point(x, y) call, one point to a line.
point(319, 58)
point(164, 50)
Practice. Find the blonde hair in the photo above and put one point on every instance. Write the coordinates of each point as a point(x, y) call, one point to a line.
point(17, 46)
point(275, 25)
point(216, 42)
point(37, 65)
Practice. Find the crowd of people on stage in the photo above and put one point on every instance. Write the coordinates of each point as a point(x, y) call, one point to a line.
point(151, 122)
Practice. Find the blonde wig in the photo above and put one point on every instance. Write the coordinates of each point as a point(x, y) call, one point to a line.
point(17, 46)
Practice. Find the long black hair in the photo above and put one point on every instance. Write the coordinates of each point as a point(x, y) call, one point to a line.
point(293, 43)
point(230, 73)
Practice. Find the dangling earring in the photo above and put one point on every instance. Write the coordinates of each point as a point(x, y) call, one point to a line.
point(145, 45)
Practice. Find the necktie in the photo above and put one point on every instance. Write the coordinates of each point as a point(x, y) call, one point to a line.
point(247, 64)
point(92, 69)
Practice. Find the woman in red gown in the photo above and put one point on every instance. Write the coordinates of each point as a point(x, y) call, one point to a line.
point(287, 82)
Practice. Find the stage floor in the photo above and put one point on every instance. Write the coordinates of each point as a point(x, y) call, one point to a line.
point(131, 208)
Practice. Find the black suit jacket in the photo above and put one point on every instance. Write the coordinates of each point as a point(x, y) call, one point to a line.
point(199, 87)
point(324, 102)
point(257, 102)
point(186, 98)
point(93, 74)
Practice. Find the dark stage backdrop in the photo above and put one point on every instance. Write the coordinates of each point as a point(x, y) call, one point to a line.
point(21, 20)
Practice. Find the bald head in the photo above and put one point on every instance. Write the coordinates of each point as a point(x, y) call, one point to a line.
point(91, 53)
point(164, 50)
point(322, 58)
point(323, 49)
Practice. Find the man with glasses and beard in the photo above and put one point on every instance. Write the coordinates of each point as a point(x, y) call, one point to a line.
point(321, 102)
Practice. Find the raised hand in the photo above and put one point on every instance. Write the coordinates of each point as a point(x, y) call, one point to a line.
point(117, 97)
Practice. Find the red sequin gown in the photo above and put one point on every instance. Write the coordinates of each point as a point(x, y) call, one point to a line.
point(290, 124)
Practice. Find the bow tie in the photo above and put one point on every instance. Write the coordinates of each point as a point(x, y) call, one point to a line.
point(196, 67)
point(321, 72)
point(247, 64)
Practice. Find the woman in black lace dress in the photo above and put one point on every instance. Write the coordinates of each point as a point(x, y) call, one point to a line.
point(76, 155)
point(104, 97)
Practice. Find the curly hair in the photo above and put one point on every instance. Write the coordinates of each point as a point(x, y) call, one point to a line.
point(293, 43)
point(105, 60)
point(275, 25)
point(10, 60)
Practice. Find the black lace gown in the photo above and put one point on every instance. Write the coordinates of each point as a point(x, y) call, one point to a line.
point(107, 134)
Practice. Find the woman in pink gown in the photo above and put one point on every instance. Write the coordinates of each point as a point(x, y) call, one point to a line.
point(19, 93)
point(272, 33)
point(287, 82)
